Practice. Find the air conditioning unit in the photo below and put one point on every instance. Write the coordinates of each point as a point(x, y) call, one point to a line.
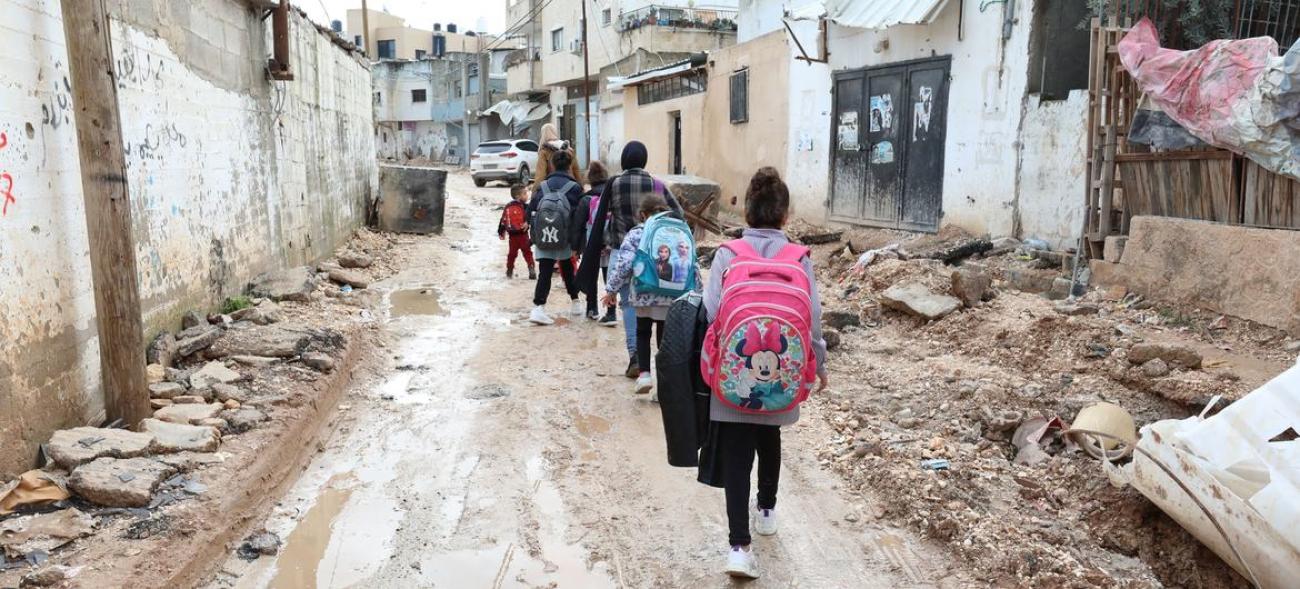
point(575, 47)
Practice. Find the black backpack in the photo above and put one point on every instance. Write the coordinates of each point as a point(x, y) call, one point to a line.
point(551, 220)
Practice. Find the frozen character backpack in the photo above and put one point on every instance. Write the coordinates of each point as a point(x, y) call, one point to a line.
point(758, 353)
point(551, 220)
point(665, 260)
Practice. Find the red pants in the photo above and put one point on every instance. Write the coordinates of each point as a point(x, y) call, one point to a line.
point(519, 243)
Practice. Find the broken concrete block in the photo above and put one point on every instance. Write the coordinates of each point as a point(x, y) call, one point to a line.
point(192, 319)
point(1063, 287)
point(1029, 280)
point(157, 404)
point(116, 482)
point(166, 390)
point(916, 299)
point(318, 361)
point(227, 392)
point(841, 319)
point(1075, 309)
point(819, 236)
point(971, 285)
point(267, 342)
point(255, 361)
point(213, 372)
point(25, 534)
point(264, 313)
point(1113, 248)
point(187, 414)
point(349, 277)
point(292, 284)
point(832, 337)
point(231, 404)
point(192, 341)
point(162, 350)
point(243, 419)
point(155, 373)
point(1155, 368)
point(79, 445)
point(1174, 355)
point(179, 437)
point(187, 399)
point(355, 260)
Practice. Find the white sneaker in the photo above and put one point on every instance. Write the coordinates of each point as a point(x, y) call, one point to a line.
point(741, 563)
point(764, 521)
point(578, 309)
point(540, 317)
point(644, 383)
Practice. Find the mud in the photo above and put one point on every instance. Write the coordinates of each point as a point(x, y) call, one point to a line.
point(487, 452)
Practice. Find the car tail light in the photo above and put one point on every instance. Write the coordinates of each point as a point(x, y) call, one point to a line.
point(509, 154)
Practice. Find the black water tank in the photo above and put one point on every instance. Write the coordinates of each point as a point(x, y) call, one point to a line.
point(437, 26)
point(451, 27)
point(336, 26)
point(470, 33)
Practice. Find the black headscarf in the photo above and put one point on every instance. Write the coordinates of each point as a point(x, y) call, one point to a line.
point(635, 155)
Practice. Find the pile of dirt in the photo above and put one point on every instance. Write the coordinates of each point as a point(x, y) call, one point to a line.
point(908, 391)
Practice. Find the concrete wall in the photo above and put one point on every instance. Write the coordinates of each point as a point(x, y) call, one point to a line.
point(1053, 169)
point(985, 95)
point(230, 175)
point(651, 124)
point(402, 140)
point(394, 81)
point(807, 167)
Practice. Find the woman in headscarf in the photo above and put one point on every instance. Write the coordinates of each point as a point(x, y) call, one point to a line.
point(551, 143)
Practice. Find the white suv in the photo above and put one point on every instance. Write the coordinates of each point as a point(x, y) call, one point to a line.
point(508, 160)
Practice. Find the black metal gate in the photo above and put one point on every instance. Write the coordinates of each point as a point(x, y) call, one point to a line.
point(887, 156)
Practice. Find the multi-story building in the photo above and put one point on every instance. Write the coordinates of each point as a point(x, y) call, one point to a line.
point(392, 38)
point(623, 37)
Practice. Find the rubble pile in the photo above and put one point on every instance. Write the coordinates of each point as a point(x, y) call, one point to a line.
point(954, 389)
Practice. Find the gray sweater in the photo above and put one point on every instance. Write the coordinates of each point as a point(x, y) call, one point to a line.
point(767, 242)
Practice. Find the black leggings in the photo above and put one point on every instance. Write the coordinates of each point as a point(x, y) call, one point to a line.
point(593, 297)
point(740, 442)
point(546, 268)
point(643, 340)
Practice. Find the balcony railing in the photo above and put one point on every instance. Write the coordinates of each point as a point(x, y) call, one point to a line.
point(704, 19)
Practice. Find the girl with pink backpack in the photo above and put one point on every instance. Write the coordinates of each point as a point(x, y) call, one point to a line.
point(763, 355)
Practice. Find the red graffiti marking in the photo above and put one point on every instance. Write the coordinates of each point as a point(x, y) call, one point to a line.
point(4, 140)
point(7, 180)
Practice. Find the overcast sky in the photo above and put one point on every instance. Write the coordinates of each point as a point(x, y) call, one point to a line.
point(468, 14)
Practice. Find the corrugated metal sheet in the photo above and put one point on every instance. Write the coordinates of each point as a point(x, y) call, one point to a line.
point(872, 14)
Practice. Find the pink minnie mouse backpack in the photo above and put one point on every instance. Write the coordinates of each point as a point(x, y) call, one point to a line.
point(758, 353)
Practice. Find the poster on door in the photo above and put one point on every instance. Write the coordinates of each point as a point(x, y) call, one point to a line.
point(921, 112)
point(882, 113)
point(847, 133)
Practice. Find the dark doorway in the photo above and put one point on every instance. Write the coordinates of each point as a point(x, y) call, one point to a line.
point(676, 145)
point(887, 158)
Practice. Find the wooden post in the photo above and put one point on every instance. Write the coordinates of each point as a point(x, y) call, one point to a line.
point(108, 210)
point(586, 83)
point(365, 30)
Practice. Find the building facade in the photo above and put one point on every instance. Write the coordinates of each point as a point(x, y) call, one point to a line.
point(392, 38)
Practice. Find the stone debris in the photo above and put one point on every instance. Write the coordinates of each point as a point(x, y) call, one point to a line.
point(155, 373)
point(1076, 309)
point(175, 437)
point(263, 341)
point(73, 447)
point(1155, 368)
point(117, 482)
point(916, 299)
point(355, 260)
point(259, 544)
point(157, 404)
point(318, 361)
point(264, 313)
point(832, 337)
point(44, 532)
point(243, 419)
point(231, 404)
point(971, 285)
point(192, 319)
point(162, 350)
point(228, 392)
point(187, 399)
point(196, 339)
point(841, 319)
point(166, 390)
point(187, 414)
point(49, 576)
point(255, 361)
point(293, 284)
point(215, 422)
point(214, 372)
point(349, 277)
point(1174, 355)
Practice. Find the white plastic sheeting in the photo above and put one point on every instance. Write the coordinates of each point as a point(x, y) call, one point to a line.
point(871, 14)
point(518, 112)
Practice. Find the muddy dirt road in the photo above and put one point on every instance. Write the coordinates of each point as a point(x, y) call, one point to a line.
point(476, 450)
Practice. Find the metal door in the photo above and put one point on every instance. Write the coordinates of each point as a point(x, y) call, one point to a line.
point(887, 157)
point(677, 143)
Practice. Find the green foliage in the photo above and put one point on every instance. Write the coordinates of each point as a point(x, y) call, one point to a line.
point(1183, 24)
point(233, 304)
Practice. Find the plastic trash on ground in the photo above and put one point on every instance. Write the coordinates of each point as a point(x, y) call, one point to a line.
point(33, 488)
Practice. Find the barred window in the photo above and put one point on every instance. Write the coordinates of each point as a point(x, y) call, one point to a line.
point(686, 84)
point(740, 96)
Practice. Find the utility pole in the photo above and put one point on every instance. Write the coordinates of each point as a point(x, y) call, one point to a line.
point(586, 81)
point(365, 26)
point(108, 210)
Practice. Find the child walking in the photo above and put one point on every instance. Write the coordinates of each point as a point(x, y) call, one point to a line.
point(651, 309)
point(765, 362)
point(514, 227)
point(556, 223)
point(597, 177)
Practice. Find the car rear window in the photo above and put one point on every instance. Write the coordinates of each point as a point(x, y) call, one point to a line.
point(492, 147)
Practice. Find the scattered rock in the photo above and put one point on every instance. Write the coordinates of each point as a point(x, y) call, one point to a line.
point(1155, 368)
point(487, 391)
point(116, 482)
point(186, 399)
point(1115, 293)
point(355, 260)
point(951, 254)
point(177, 437)
point(47, 577)
point(228, 392)
point(263, 341)
point(187, 461)
point(197, 339)
point(192, 319)
point(1174, 355)
point(916, 299)
point(215, 422)
point(265, 313)
point(832, 337)
point(242, 419)
point(259, 544)
point(255, 361)
point(155, 373)
point(349, 277)
point(213, 372)
point(187, 414)
point(1030, 281)
point(162, 350)
point(166, 390)
point(1061, 289)
point(157, 404)
point(292, 284)
point(230, 404)
point(73, 447)
point(1074, 309)
point(1030, 455)
point(1293, 346)
point(818, 236)
point(841, 319)
point(318, 361)
point(148, 527)
point(971, 285)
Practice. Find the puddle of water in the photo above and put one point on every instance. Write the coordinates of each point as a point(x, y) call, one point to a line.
point(590, 424)
point(415, 301)
point(303, 551)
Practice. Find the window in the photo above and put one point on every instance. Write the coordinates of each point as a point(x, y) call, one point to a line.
point(420, 53)
point(1058, 49)
point(456, 89)
point(379, 98)
point(356, 40)
point(692, 82)
point(387, 49)
point(606, 17)
point(527, 146)
point(418, 95)
point(557, 40)
point(740, 96)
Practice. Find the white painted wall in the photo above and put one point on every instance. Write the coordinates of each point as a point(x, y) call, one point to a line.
point(984, 102)
point(394, 81)
point(759, 17)
point(612, 140)
point(1053, 170)
point(808, 147)
point(229, 176)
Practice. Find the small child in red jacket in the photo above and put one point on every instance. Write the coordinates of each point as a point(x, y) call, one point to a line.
point(514, 224)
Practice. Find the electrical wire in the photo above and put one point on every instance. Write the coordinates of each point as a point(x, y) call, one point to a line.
point(512, 29)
